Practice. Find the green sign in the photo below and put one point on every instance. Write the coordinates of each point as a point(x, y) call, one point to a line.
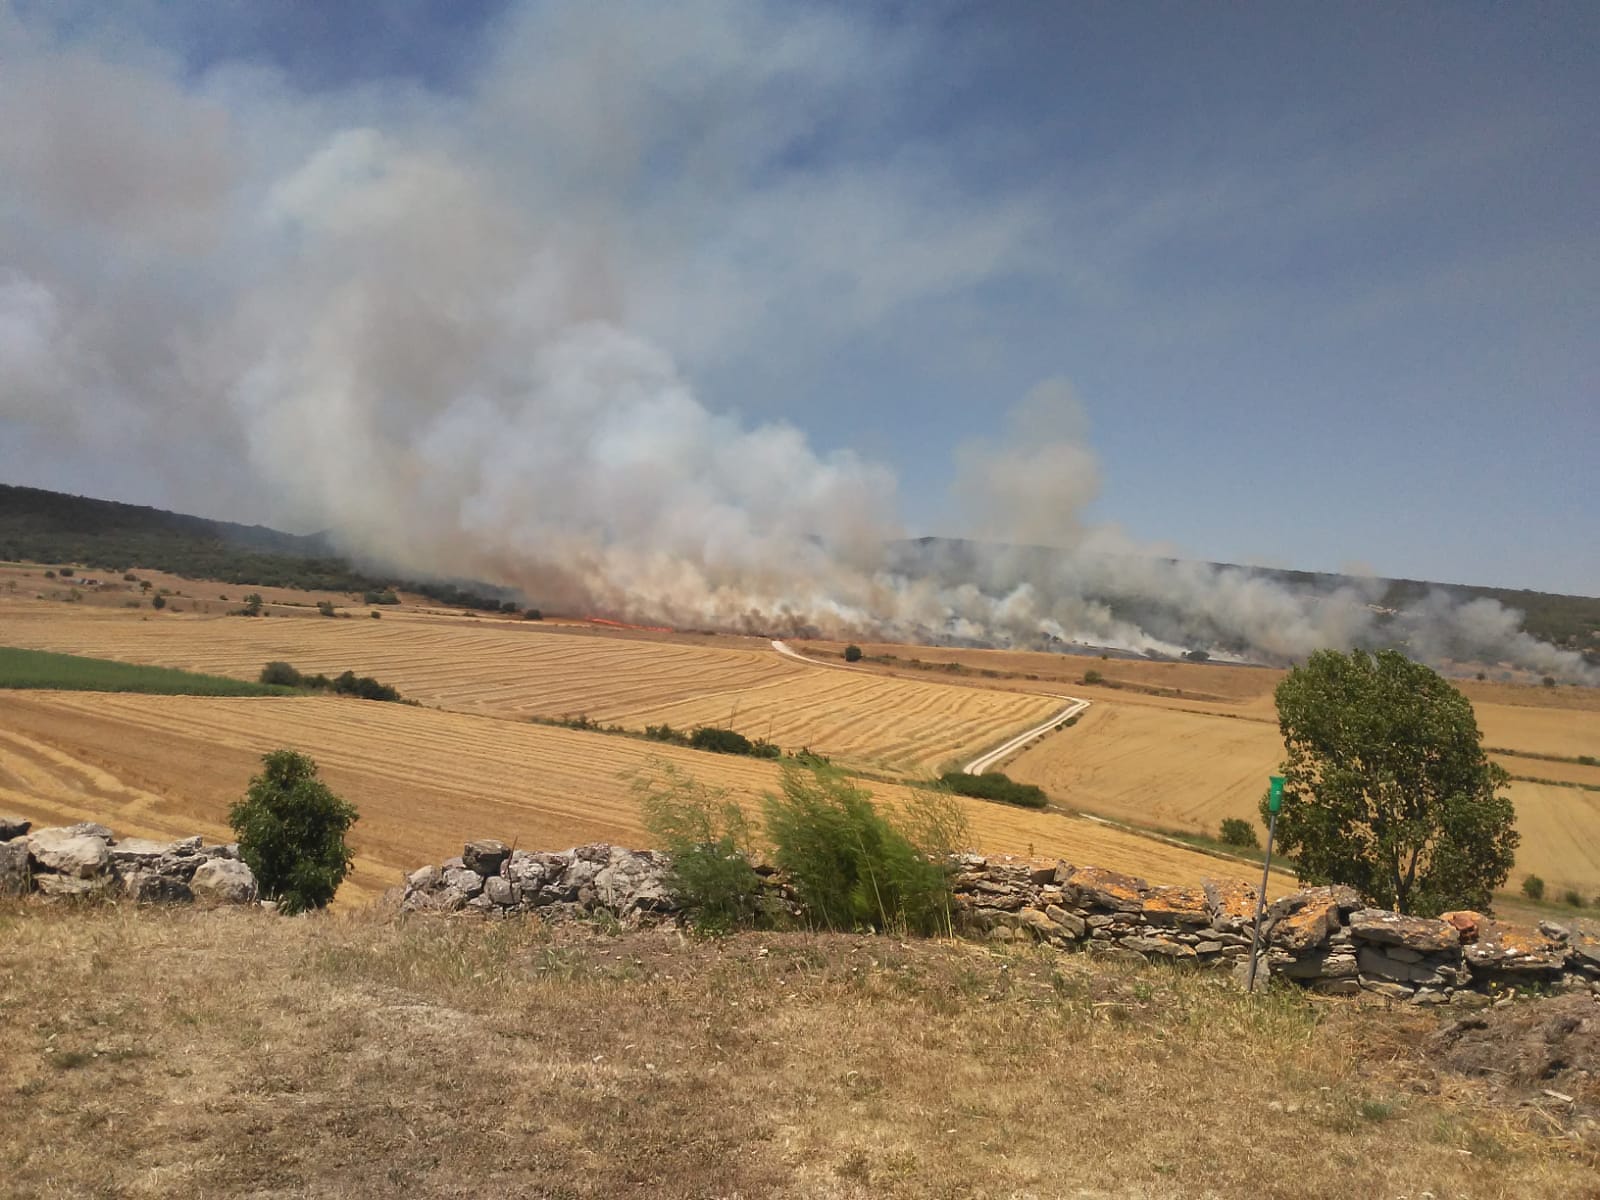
point(1275, 794)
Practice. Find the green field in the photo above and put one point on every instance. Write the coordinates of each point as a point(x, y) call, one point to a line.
point(71, 673)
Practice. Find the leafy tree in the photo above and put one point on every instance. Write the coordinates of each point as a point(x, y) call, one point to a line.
point(1240, 833)
point(1092, 677)
point(291, 832)
point(1387, 786)
point(1533, 887)
point(852, 653)
point(158, 601)
point(281, 673)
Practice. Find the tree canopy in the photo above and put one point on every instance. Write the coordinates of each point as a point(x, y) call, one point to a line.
point(291, 831)
point(1387, 788)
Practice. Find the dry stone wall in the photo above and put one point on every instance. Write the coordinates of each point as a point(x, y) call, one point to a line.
point(88, 860)
point(1325, 939)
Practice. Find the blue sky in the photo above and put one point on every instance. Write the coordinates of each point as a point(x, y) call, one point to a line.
point(1323, 278)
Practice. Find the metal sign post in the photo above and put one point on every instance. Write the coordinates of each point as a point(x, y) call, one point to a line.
point(1274, 803)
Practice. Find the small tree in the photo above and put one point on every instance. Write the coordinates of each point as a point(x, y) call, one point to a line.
point(158, 601)
point(1238, 832)
point(1092, 677)
point(1387, 786)
point(852, 653)
point(291, 832)
point(708, 839)
point(1533, 887)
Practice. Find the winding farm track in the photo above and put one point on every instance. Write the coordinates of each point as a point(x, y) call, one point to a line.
point(984, 761)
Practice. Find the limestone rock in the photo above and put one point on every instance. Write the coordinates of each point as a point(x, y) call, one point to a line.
point(224, 881)
point(69, 852)
point(424, 879)
point(468, 883)
point(1381, 927)
point(1503, 951)
point(1178, 907)
point(1375, 963)
point(91, 829)
point(152, 887)
point(138, 854)
point(13, 827)
point(1041, 926)
point(13, 867)
point(499, 891)
point(1387, 989)
point(1232, 904)
point(1072, 926)
point(1304, 920)
point(50, 883)
point(485, 856)
point(1583, 947)
point(1097, 887)
point(1160, 946)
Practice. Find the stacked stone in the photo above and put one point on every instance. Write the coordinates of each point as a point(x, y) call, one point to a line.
point(491, 878)
point(89, 860)
point(1106, 911)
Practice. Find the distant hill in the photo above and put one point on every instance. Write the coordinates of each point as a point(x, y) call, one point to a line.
point(1569, 622)
point(51, 527)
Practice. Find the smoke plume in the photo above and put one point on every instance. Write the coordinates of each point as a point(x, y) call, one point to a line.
point(459, 331)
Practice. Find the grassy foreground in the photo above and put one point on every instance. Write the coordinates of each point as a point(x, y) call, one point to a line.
point(158, 1053)
point(73, 673)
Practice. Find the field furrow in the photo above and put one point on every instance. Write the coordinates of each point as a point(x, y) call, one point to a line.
point(424, 780)
point(522, 670)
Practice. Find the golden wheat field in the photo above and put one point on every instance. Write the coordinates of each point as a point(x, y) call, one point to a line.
point(515, 668)
point(1150, 764)
point(424, 780)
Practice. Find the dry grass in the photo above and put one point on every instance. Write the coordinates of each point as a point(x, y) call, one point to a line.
point(425, 781)
point(210, 1054)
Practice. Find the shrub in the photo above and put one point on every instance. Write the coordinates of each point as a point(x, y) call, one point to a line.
point(508, 606)
point(1533, 887)
point(325, 607)
point(852, 653)
point(666, 733)
point(995, 786)
point(158, 601)
point(1240, 833)
point(291, 832)
point(130, 578)
point(720, 741)
point(386, 596)
point(1093, 677)
point(281, 673)
point(853, 867)
point(533, 614)
point(1548, 680)
point(65, 572)
point(708, 839)
point(375, 614)
point(49, 574)
point(1573, 897)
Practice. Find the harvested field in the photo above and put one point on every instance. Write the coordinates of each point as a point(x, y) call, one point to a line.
point(520, 669)
point(424, 780)
point(1560, 829)
point(225, 1053)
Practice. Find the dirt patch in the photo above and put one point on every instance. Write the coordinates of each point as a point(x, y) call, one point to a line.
point(1547, 1053)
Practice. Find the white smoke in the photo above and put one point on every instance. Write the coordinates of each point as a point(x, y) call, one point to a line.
point(449, 328)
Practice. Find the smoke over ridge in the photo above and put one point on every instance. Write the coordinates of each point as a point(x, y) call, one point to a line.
point(450, 329)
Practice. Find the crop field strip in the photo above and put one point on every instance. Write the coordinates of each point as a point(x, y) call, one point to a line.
point(424, 780)
point(1187, 771)
point(889, 724)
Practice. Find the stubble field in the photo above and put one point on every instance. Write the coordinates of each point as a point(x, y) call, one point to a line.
point(1167, 746)
point(519, 669)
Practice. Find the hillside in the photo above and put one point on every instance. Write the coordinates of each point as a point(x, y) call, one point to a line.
point(228, 1053)
point(52, 527)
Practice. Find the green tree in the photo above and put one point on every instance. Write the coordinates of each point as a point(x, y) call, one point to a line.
point(291, 831)
point(852, 653)
point(1387, 788)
